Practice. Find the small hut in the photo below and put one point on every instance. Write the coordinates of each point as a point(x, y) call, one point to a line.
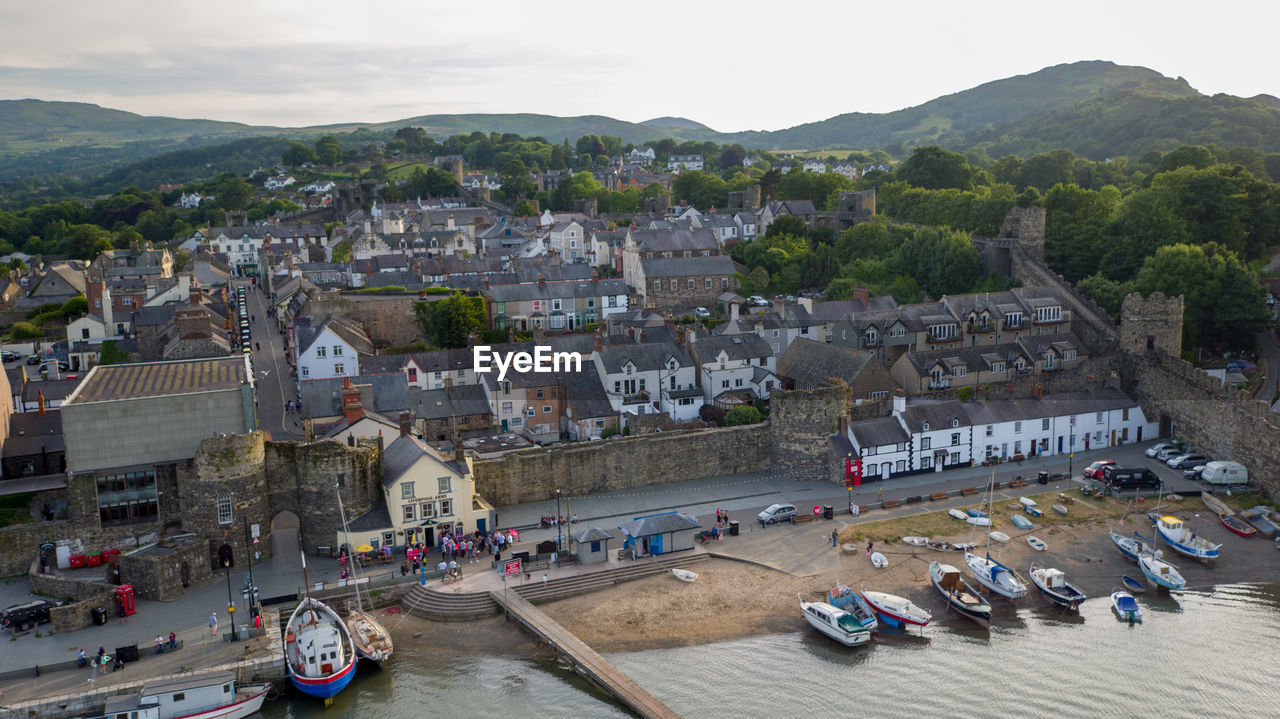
point(660, 533)
point(591, 545)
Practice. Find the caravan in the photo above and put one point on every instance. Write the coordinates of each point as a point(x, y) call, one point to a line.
point(1221, 472)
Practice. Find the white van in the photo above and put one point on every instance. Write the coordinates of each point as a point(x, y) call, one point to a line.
point(1225, 473)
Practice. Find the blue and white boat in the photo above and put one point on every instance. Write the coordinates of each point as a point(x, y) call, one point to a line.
point(845, 598)
point(1021, 522)
point(995, 576)
point(1184, 541)
point(1033, 511)
point(1161, 573)
point(975, 512)
point(318, 650)
point(1135, 546)
point(1125, 606)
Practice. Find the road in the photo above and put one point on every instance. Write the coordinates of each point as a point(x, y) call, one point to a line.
point(271, 371)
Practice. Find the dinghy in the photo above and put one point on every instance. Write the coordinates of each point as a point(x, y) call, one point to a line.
point(959, 595)
point(980, 521)
point(1036, 544)
point(957, 514)
point(916, 541)
point(878, 560)
point(1000, 537)
point(964, 546)
point(1021, 522)
point(1132, 584)
point(1053, 585)
point(684, 575)
point(975, 512)
point(940, 546)
point(1060, 509)
point(896, 611)
point(842, 597)
point(1237, 525)
point(1125, 606)
point(1027, 501)
point(1033, 512)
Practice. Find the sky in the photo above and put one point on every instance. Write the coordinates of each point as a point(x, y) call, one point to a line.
point(732, 66)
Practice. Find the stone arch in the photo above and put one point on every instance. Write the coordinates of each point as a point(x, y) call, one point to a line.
point(285, 538)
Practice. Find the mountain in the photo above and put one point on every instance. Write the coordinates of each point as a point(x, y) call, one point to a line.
point(549, 127)
point(676, 123)
point(32, 125)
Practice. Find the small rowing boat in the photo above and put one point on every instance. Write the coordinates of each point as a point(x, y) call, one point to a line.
point(940, 546)
point(957, 514)
point(1132, 584)
point(878, 560)
point(997, 536)
point(684, 575)
point(964, 546)
point(1036, 544)
point(980, 521)
point(1034, 512)
point(1237, 525)
point(975, 512)
point(1060, 509)
point(1021, 522)
point(916, 541)
point(1027, 501)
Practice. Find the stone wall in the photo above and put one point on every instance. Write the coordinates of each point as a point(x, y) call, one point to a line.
point(1219, 419)
point(799, 424)
point(235, 465)
point(1151, 323)
point(621, 463)
point(1088, 321)
point(301, 478)
point(20, 543)
point(86, 594)
point(163, 571)
point(387, 319)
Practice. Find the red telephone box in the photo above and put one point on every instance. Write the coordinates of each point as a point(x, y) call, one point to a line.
point(124, 599)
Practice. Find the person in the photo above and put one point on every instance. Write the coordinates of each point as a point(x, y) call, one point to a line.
point(213, 624)
point(441, 567)
point(834, 536)
point(257, 346)
point(119, 664)
point(880, 494)
point(869, 547)
point(159, 644)
point(544, 581)
point(82, 659)
point(173, 640)
point(574, 519)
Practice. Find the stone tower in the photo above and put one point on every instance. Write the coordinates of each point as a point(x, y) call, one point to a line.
point(1026, 224)
point(1153, 324)
point(744, 200)
point(855, 207)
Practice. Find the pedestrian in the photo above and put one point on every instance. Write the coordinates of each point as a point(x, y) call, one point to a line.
point(869, 546)
point(544, 581)
point(213, 624)
point(835, 535)
point(82, 659)
point(173, 640)
point(159, 644)
point(880, 494)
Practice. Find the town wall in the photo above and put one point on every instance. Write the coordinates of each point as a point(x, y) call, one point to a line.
point(86, 594)
point(387, 319)
point(20, 543)
point(799, 424)
point(304, 479)
point(1088, 321)
point(1153, 323)
point(621, 463)
point(235, 465)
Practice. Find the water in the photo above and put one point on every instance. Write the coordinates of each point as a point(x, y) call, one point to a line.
point(1199, 654)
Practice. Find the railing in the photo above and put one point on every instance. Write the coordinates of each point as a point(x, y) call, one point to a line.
point(636, 398)
point(940, 384)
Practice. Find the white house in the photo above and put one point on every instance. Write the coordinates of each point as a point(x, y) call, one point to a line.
point(882, 444)
point(319, 186)
point(331, 349)
point(746, 222)
point(846, 169)
point(278, 183)
point(568, 240)
point(734, 368)
point(676, 163)
point(192, 200)
point(649, 378)
point(817, 166)
point(641, 156)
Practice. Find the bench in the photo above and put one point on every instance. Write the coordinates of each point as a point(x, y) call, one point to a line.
point(805, 517)
point(938, 496)
point(969, 491)
point(890, 504)
point(1018, 483)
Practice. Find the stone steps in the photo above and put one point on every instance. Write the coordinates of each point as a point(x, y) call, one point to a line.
point(449, 606)
point(563, 587)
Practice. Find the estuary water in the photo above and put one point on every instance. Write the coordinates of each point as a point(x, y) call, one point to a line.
point(1198, 654)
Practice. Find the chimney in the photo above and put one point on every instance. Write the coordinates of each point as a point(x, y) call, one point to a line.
point(485, 280)
point(690, 335)
point(194, 295)
point(406, 424)
point(597, 342)
point(459, 452)
point(472, 337)
point(542, 280)
point(861, 292)
point(899, 401)
point(351, 407)
point(733, 312)
point(40, 399)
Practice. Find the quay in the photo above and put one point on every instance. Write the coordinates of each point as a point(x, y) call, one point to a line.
point(586, 660)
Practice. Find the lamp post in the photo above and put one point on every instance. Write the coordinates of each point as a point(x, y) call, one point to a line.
point(557, 519)
point(231, 602)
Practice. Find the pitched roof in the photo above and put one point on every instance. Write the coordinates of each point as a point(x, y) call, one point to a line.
point(555, 290)
point(592, 534)
point(587, 397)
point(377, 518)
point(811, 364)
point(657, 267)
point(737, 347)
point(34, 432)
point(385, 393)
point(648, 356)
point(458, 401)
point(878, 432)
point(405, 452)
point(660, 524)
point(675, 240)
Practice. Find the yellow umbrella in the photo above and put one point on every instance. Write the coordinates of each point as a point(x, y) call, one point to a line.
point(364, 548)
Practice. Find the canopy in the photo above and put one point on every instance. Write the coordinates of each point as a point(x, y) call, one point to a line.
point(364, 548)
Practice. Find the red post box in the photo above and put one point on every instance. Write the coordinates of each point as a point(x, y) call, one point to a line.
point(76, 561)
point(124, 599)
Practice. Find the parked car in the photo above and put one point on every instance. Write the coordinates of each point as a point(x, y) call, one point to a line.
point(757, 301)
point(1186, 461)
point(1157, 448)
point(1194, 474)
point(1094, 471)
point(1122, 479)
point(702, 313)
point(10, 356)
point(21, 617)
point(1165, 455)
point(34, 359)
point(778, 513)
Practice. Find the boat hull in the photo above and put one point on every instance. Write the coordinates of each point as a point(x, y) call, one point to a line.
point(257, 694)
point(326, 685)
point(995, 576)
point(980, 613)
point(1237, 526)
point(895, 611)
point(1183, 543)
point(1132, 584)
point(1165, 580)
point(1068, 595)
point(371, 639)
point(849, 639)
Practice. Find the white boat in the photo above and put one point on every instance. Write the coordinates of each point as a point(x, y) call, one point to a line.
point(1125, 606)
point(995, 576)
point(1161, 573)
point(916, 541)
point(835, 623)
point(684, 575)
point(1184, 541)
point(1135, 546)
point(842, 597)
point(318, 650)
point(878, 560)
point(217, 696)
point(1052, 583)
point(980, 521)
point(1060, 509)
point(1036, 544)
point(957, 514)
point(895, 610)
point(1027, 501)
point(964, 546)
point(997, 536)
point(372, 640)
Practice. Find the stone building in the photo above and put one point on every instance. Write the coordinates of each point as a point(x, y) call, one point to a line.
point(1151, 324)
point(683, 283)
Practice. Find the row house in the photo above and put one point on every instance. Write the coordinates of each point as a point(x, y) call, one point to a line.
point(588, 411)
point(605, 247)
point(682, 283)
point(426, 371)
point(649, 378)
point(278, 183)
point(815, 166)
point(679, 163)
point(140, 261)
point(723, 227)
point(934, 435)
point(445, 414)
point(746, 222)
point(527, 403)
point(974, 366)
point(329, 349)
point(733, 369)
point(554, 305)
point(803, 209)
point(568, 240)
point(240, 245)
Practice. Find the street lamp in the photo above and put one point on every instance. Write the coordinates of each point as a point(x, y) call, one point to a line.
point(558, 519)
point(231, 602)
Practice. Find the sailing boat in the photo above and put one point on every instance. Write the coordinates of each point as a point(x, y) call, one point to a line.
point(318, 650)
point(990, 573)
point(1159, 572)
point(371, 638)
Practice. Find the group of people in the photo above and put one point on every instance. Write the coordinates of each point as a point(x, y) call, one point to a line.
point(101, 659)
point(722, 518)
point(551, 520)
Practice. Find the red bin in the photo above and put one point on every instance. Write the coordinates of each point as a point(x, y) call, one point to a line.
point(93, 560)
point(109, 555)
point(76, 561)
point(124, 600)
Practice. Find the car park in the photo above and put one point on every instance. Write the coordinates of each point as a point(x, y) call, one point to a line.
point(34, 359)
point(1094, 471)
point(1186, 461)
point(1165, 455)
point(10, 356)
point(1157, 448)
point(777, 513)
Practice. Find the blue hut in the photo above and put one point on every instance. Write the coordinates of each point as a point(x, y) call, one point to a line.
point(660, 533)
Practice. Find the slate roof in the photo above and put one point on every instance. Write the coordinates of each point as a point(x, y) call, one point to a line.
point(307, 334)
point(878, 432)
point(737, 347)
point(405, 452)
point(33, 432)
point(587, 397)
point(971, 358)
point(460, 401)
point(556, 290)
point(810, 364)
point(153, 316)
point(594, 534)
point(675, 240)
point(699, 266)
point(660, 524)
point(558, 272)
point(645, 357)
point(384, 393)
point(377, 518)
point(938, 414)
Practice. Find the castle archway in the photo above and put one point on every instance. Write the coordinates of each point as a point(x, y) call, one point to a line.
point(284, 541)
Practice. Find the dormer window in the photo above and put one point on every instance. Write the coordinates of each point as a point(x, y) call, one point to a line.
point(873, 337)
point(955, 423)
point(1052, 313)
point(924, 426)
point(1013, 320)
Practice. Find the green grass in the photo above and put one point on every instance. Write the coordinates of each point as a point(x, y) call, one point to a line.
point(16, 508)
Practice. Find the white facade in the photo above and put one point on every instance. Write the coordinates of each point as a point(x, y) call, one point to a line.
point(569, 241)
point(278, 183)
point(328, 356)
point(684, 162)
point(817, 166)
point(884, 461)
point(635, 391)
point(721, 374)
point(241, 251)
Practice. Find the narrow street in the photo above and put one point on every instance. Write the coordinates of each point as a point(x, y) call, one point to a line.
point(271, 370)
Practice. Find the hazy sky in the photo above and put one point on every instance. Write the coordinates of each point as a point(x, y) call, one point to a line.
point(732, 66)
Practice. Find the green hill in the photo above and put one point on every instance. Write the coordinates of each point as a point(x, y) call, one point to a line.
point(34, 125)
point(676, 123)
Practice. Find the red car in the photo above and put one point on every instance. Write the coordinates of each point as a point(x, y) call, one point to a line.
point(1094, 471)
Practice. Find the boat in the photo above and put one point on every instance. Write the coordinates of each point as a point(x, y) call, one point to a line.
point(995, 576)
point(1132, 584)
point(1027, 501)
point(1262, 519)
point(1135, 546)
point(1184, 541)
point(319, 653)
point(957, 514)
point(1021, 522)
point(372, 640)
point(835, 623)
point(1125, 606)
point(975, 512)
point(878, 560)
point(1237, 525)
point(1161, 573)
point(217, 694)
point(1036, 544)
point(980, 521)
point(959, 595)
point(1053, 585)
point(684, 575)
point(916, 541)
point(1013, 506)
point(1060, 509)
point(940, 546)
point(964, 546)
point(842, 597)
point(1000, 537)
point(1034, 512)
point(896, 611)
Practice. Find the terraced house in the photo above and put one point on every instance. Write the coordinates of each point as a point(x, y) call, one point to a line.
point(553, 306)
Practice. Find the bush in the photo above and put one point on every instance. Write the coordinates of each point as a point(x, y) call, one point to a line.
point(610, 431)
point(44, 308)
point(964, 393)
point(711, 414)
point(743, 415)
point(25, 331)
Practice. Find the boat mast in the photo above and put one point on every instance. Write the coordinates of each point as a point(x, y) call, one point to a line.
point(347, 534)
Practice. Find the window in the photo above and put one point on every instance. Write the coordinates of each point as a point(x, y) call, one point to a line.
point(506, 408)
point(613, 300)
point(1099, 418)
point(530, 411)
point(901, 466)
point(446, 507)
point(955, 439)
point(724, 384)
point(1017, 427)
point(706, 285)
point(428, 510)
point(320, 351)
point(408, 513)
point(538, 394)
point(1124, 416)
point(337, 350)
point(84, 333)
point(555, 304)
point(306, 371)
point(989, 430)
point(926, 462)
point(445, 485)
point(869, 451)
point(657, 284)
point(181, 696)
point(926, 442)
point(724, 283)
point(737, 382)
point(924, 426)
point(338, 369)
point(872, 470)
point(1048, 314)
point(224, 507)
point(691, 284)
point(960, 371)
point(406, 490)
point(955, 458)
point(1017, 447)
point(902, 446)
point(546, 409)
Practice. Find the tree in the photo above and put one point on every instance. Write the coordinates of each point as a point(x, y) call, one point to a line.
point(112, 354)
point(742, 414)
point(329, 150)
point(430, 183)
point(731, 157)
point(76, 306)
point(524, 208)
point(787, 225)
point(1076, 221)
point(25, 331)
point(1225, 305)
point(341, 253)
point(181, 260)
point(934, 168)
point(297, 153)
point(232, 192)
point(515, 181)
point(447, 323)
point(1109, 294)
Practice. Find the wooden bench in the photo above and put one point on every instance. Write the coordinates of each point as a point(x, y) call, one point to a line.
point(805, 517)
point(890, 504)
point(938, 496)
point(969, 491)
point(1018, 483)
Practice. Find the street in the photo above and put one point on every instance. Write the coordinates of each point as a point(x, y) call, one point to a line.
point(271, 370)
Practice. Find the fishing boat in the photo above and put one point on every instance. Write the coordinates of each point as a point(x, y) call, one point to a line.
point(842, 597)
point(1132, 584)
point(1237, 525)
point(878, 560)
point(916, 541)
point(1125, 606)
point(975, 512)
point(372, 640)
point(1184, 541)
point(1027, 501)
point(1033, 511)
point(895, 611)
point(1135, 546)
point(940, 546)
point(997, 536)
point(1161, 573)
point(1060, 509)
point(835, 623)
point(1053, 585)
point(218, 696)
point(1021, 522)
point(959, 595)
point(319, 652)
point(1262, 519)
point(684, 575)
point(1036, 544)
point(980, 521)
point(995, 576)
